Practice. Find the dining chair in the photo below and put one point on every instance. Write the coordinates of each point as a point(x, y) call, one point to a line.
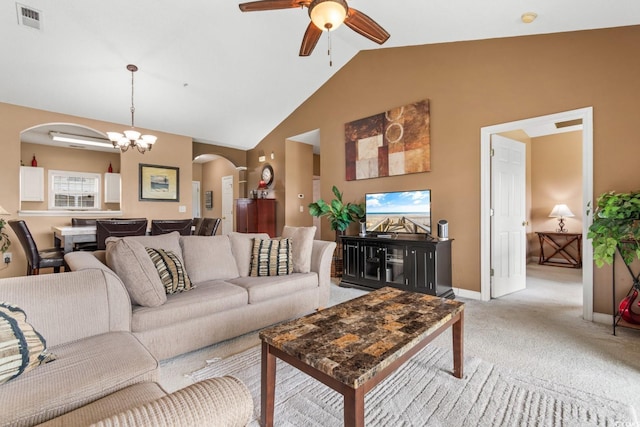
point(164, 226)
point(119, 228)
point(209, 226)
point(37, 259)
point(83, 222)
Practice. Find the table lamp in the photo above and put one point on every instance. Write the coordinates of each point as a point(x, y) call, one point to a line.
point(561, 211)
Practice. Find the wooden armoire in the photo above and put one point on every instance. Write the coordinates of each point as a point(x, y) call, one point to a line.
point(256, 216)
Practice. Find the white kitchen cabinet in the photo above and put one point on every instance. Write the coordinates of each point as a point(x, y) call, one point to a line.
point(112, 188)
point(31, 184)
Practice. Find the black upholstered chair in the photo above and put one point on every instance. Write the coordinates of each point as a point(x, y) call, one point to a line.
point(37, 259)
point(208, 226)
point(119, 228)
point(83, 222)
point(164, 226)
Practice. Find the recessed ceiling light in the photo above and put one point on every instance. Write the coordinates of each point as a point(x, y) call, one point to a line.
point(529, 17)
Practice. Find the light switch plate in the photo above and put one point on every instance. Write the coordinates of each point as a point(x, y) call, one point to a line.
point(182, 209)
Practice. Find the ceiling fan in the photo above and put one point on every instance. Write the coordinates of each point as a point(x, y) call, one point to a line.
point(325, 15)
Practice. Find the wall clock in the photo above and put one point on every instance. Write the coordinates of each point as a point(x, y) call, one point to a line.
point(267, 174)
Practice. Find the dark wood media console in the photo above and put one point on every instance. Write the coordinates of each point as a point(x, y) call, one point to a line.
point(413, 263)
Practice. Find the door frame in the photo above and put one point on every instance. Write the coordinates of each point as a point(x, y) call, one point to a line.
point(586, 114)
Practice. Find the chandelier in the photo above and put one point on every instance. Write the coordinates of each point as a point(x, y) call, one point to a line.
point(131, 137)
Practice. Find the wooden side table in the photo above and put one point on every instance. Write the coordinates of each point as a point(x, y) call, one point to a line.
point(560, 244)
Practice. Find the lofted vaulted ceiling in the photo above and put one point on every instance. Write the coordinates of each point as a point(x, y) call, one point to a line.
point(224, 77)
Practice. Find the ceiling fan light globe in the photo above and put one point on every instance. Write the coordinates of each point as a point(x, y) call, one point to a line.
point(328, 14)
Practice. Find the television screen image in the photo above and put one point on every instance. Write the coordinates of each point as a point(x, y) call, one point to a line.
point(399, 212)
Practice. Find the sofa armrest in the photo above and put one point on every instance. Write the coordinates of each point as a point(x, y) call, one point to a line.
point(223, 401)
point(82, 260)
point(70, 306)
point(321, 256)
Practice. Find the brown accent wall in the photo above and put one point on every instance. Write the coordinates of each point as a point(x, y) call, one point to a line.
point(299, 171)
point(212, 173)
point(170, 150)
point(475, 84)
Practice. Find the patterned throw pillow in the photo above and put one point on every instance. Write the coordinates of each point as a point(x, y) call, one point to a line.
point(21, 347)
point(271, 257)
point(171, 271)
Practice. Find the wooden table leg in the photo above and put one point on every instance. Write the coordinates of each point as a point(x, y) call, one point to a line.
point(458, 346)
point(268, 385)
point(354, 407)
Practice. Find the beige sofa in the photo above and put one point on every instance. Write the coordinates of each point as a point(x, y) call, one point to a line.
point(101, 373)
point(225, 301)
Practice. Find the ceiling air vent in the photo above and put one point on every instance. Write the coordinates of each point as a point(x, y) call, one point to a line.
point(28, 16)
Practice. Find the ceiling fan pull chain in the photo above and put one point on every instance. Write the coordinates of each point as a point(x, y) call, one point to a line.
point(329, 51)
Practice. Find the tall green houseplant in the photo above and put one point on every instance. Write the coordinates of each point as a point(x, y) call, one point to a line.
point(616, 225)
point(339, 214)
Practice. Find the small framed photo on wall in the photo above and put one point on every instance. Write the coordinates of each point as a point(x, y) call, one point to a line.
point(208, 199)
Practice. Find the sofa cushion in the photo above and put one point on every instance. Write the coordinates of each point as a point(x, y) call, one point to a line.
point(208, 258)
point(242, 247)
point(22, 348)
point(85, 370)
point(168, 242)
point(271, 257)
point(265, 288)
point(207, 298)
point(301, 246)
point(130, 261)
point(170, 269)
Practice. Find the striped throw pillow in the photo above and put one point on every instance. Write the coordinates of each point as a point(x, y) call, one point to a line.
point(172, 273)
point(271, 257)
point(22, 348)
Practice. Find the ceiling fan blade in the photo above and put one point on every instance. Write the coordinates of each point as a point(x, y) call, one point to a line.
point(310, 39)
point(257, 6)
point(365, 26)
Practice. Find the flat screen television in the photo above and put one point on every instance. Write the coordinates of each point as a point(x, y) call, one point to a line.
point(398, 212)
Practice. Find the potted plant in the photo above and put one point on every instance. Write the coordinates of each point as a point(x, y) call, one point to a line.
point(340, 214)
point(616, 226)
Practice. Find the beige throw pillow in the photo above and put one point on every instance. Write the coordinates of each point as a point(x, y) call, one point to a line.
point(208, 258)
point(302, 246)
point(129, 259)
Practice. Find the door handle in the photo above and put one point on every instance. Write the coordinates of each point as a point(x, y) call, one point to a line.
point(525, 223)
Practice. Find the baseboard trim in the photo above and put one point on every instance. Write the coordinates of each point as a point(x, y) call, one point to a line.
point(603, 318)
point(465, 293)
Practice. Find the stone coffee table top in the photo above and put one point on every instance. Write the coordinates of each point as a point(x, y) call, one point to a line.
point(354, 340)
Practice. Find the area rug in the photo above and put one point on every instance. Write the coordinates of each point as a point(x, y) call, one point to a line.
point(423, 392)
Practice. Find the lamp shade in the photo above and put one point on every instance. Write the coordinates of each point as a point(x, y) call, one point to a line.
point(3, 211)
point(561, 211)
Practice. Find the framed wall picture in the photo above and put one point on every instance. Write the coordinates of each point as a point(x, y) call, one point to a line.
point(159, 183)
point(208, 199)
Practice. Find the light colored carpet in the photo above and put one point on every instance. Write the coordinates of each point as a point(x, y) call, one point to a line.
point(537, 332)
point(424, 393)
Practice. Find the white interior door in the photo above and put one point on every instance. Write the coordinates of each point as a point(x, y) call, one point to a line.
point(508, 222)
point(195, 199)
point(227, 204)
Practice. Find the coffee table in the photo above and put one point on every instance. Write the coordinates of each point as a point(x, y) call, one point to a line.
point(353, 346)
